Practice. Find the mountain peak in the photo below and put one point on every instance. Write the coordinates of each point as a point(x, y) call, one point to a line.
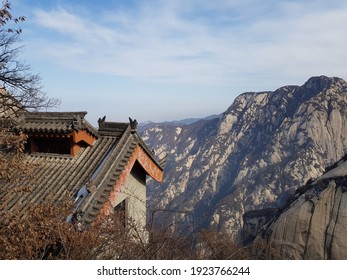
point(323, 82)
point(261, 149)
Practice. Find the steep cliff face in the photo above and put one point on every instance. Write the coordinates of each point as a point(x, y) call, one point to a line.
point(313, 225)
point(255, 155)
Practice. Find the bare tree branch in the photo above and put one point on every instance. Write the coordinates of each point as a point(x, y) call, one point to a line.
point(19, 88)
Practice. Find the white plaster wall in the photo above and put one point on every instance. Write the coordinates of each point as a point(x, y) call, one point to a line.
point(134, 192)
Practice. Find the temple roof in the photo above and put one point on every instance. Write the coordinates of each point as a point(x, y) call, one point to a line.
point(53, 122)
point(58, 177)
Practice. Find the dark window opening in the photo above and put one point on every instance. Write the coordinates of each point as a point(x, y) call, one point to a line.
point(51, 146)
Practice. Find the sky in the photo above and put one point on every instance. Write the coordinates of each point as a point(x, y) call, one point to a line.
point(164, 60)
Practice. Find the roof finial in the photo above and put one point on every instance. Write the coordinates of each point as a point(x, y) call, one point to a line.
point(100, 120)
point(133, 125)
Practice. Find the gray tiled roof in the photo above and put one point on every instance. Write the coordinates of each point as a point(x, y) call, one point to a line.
point(53, 122)
point(57, 177)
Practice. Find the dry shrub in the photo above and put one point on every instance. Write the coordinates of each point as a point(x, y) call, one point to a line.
point(220, 246)
point(164, 245)
point(43, 234)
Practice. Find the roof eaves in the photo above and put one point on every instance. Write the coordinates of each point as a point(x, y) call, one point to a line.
point(159, 163)
point(54, 122)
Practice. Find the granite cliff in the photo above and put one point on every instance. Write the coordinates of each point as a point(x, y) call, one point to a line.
point(313, 222)
point(254, 156)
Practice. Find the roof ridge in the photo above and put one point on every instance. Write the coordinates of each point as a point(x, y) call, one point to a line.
point(63, 122)
point(42, 116)
point(111, 128)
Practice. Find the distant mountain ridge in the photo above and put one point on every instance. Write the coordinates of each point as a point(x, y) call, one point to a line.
point(146, 125)
point(254, 156)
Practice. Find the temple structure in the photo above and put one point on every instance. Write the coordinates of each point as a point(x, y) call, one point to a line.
point(100, 169)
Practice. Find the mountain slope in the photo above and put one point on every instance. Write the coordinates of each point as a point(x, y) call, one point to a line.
point(264, 145)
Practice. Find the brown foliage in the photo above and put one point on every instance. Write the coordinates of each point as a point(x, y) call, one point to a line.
point(165, 245)
point(13, 165)
point(6, 16)
point(220, 246)
point(43, 234)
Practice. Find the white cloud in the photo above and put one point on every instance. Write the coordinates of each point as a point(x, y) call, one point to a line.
point(200, 42)
point(80, 29)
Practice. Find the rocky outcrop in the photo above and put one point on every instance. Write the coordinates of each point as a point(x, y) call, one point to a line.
point(263, 146)
point(313, 224)
point(254, 223)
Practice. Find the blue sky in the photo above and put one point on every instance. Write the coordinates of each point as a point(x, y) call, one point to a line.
point(167, 60)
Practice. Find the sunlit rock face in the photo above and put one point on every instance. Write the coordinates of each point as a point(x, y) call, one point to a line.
point(254, 156)
point(313, 223)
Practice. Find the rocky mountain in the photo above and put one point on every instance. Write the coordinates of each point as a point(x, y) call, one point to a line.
point(312, 224)
point(263, 146)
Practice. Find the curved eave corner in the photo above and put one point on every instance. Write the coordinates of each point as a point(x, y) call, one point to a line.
point(150, 166)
